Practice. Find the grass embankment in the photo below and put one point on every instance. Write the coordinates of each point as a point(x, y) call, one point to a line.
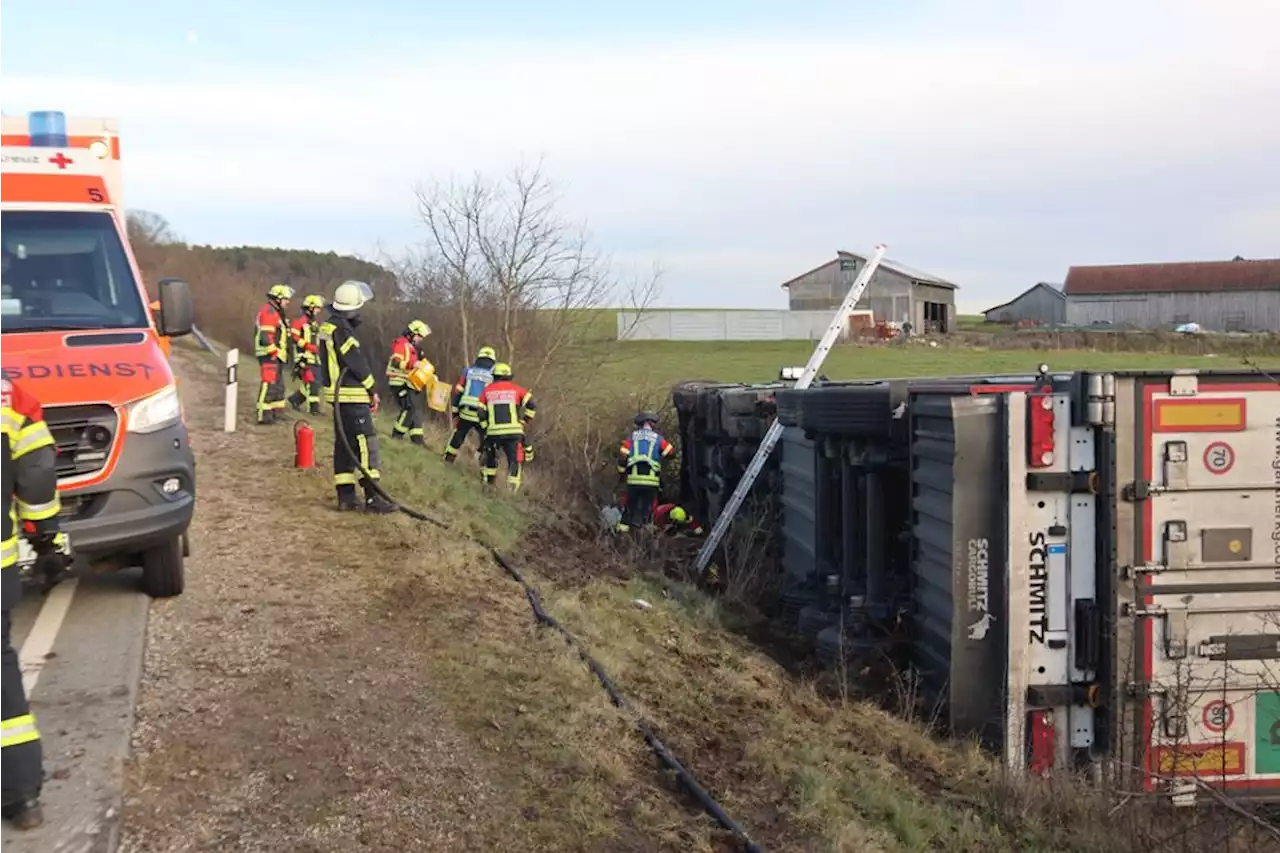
point(797, 769)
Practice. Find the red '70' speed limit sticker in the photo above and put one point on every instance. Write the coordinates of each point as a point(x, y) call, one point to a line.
point(1219, 457)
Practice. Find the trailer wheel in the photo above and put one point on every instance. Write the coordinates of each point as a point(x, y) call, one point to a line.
point(164, 569)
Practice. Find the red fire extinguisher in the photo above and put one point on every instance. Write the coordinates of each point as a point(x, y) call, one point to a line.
point(304, 440)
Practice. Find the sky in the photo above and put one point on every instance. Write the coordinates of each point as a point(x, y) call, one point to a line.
point(737, 143)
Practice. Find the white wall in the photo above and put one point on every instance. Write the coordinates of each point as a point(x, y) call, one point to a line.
point(660, 325)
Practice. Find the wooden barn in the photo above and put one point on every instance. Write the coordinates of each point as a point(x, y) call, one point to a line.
point(1043, 305)
point(897, 293)
point(1222, 296)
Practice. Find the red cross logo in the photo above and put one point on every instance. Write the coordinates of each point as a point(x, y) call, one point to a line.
point(61, 160)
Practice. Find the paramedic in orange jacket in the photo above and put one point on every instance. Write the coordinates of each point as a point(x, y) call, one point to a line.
point(271, 346)
point(404, 358)
point(505, 408)
point(302, 336)
point(465, 401)
point(30, 501)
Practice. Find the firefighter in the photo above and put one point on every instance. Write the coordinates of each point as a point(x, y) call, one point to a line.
point(30, 500)
point(674, 520)
point(505, 408)
point(354, 399)
point(465, 401)
point(404, 358)
point(271, 346)
point(302, 334)
point(640, 467)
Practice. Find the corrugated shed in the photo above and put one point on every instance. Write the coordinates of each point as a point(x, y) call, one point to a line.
point(1191, 277)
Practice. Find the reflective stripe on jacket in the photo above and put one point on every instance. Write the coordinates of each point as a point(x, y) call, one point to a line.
point(302, 333)
point(30, 470)
point(640, 457)
point(269, 334)
point(505, 407)
point(339, 349)
point(466, 394)
point(404, 357)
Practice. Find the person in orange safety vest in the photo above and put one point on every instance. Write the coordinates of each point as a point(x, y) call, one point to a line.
point(271, 347)
point(404, 358)
point(302, 335)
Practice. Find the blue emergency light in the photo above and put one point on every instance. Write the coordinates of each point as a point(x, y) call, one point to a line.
point(47, 129)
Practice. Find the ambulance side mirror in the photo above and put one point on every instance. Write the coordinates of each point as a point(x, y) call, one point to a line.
point(177, 314)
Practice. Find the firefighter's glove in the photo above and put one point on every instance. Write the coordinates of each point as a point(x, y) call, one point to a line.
point(52, 559)
point(528, 452)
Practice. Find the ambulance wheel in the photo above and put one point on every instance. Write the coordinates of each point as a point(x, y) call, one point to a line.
point(164, 570)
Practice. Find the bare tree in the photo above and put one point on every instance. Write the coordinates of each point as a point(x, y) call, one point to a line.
point(514, 264)
point(456, 216)
point(150, 229)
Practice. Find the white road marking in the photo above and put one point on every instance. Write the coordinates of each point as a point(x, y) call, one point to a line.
point(44, 631)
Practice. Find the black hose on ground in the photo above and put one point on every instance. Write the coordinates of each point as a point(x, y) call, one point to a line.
point(687, 779)
point(673, 764)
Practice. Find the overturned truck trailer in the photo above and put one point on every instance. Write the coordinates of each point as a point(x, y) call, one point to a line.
point(1082, 568)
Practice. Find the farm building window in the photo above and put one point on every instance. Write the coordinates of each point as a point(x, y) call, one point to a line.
point(1179, 319)
point(1233, 322)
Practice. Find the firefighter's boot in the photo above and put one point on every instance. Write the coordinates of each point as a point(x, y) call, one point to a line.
point(24, 814)
point(347, 500)
point(418, 440)
point(378, 505)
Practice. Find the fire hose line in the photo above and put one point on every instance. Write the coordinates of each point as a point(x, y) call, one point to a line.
point(687, 779)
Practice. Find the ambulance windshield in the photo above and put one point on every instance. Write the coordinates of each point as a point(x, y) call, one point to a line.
point(65, 271)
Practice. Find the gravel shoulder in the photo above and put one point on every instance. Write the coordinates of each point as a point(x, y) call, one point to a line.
point(276, 711)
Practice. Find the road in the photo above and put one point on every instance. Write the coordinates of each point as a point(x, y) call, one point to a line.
point(81, 652)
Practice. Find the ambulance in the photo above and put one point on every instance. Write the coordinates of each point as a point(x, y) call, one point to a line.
point(78, 331)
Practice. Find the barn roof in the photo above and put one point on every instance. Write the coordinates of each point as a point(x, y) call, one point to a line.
point(1055, 289)
point(1190, 277)
point(893, 266)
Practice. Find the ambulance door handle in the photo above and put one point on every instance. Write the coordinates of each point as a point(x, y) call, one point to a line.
point(1088, 631)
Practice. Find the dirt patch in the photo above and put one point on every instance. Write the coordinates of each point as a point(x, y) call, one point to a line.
point(277, 711)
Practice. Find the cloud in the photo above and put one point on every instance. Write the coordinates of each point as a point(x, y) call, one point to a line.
point(994, 155)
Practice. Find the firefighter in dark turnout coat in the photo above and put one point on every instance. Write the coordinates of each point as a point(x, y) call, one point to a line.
point(352, 395)
point(403, 359)
point(31, 500)
point(640, 459)
point(465, 401)
point(505, 408)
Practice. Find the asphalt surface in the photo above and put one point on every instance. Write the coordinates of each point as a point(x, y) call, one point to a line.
point(85, 667)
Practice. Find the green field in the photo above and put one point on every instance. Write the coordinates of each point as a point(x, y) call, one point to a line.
point(654, 363)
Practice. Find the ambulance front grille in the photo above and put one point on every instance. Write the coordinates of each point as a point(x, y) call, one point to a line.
point(83, 435)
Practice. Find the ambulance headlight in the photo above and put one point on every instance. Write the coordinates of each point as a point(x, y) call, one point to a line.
point(155, 412)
